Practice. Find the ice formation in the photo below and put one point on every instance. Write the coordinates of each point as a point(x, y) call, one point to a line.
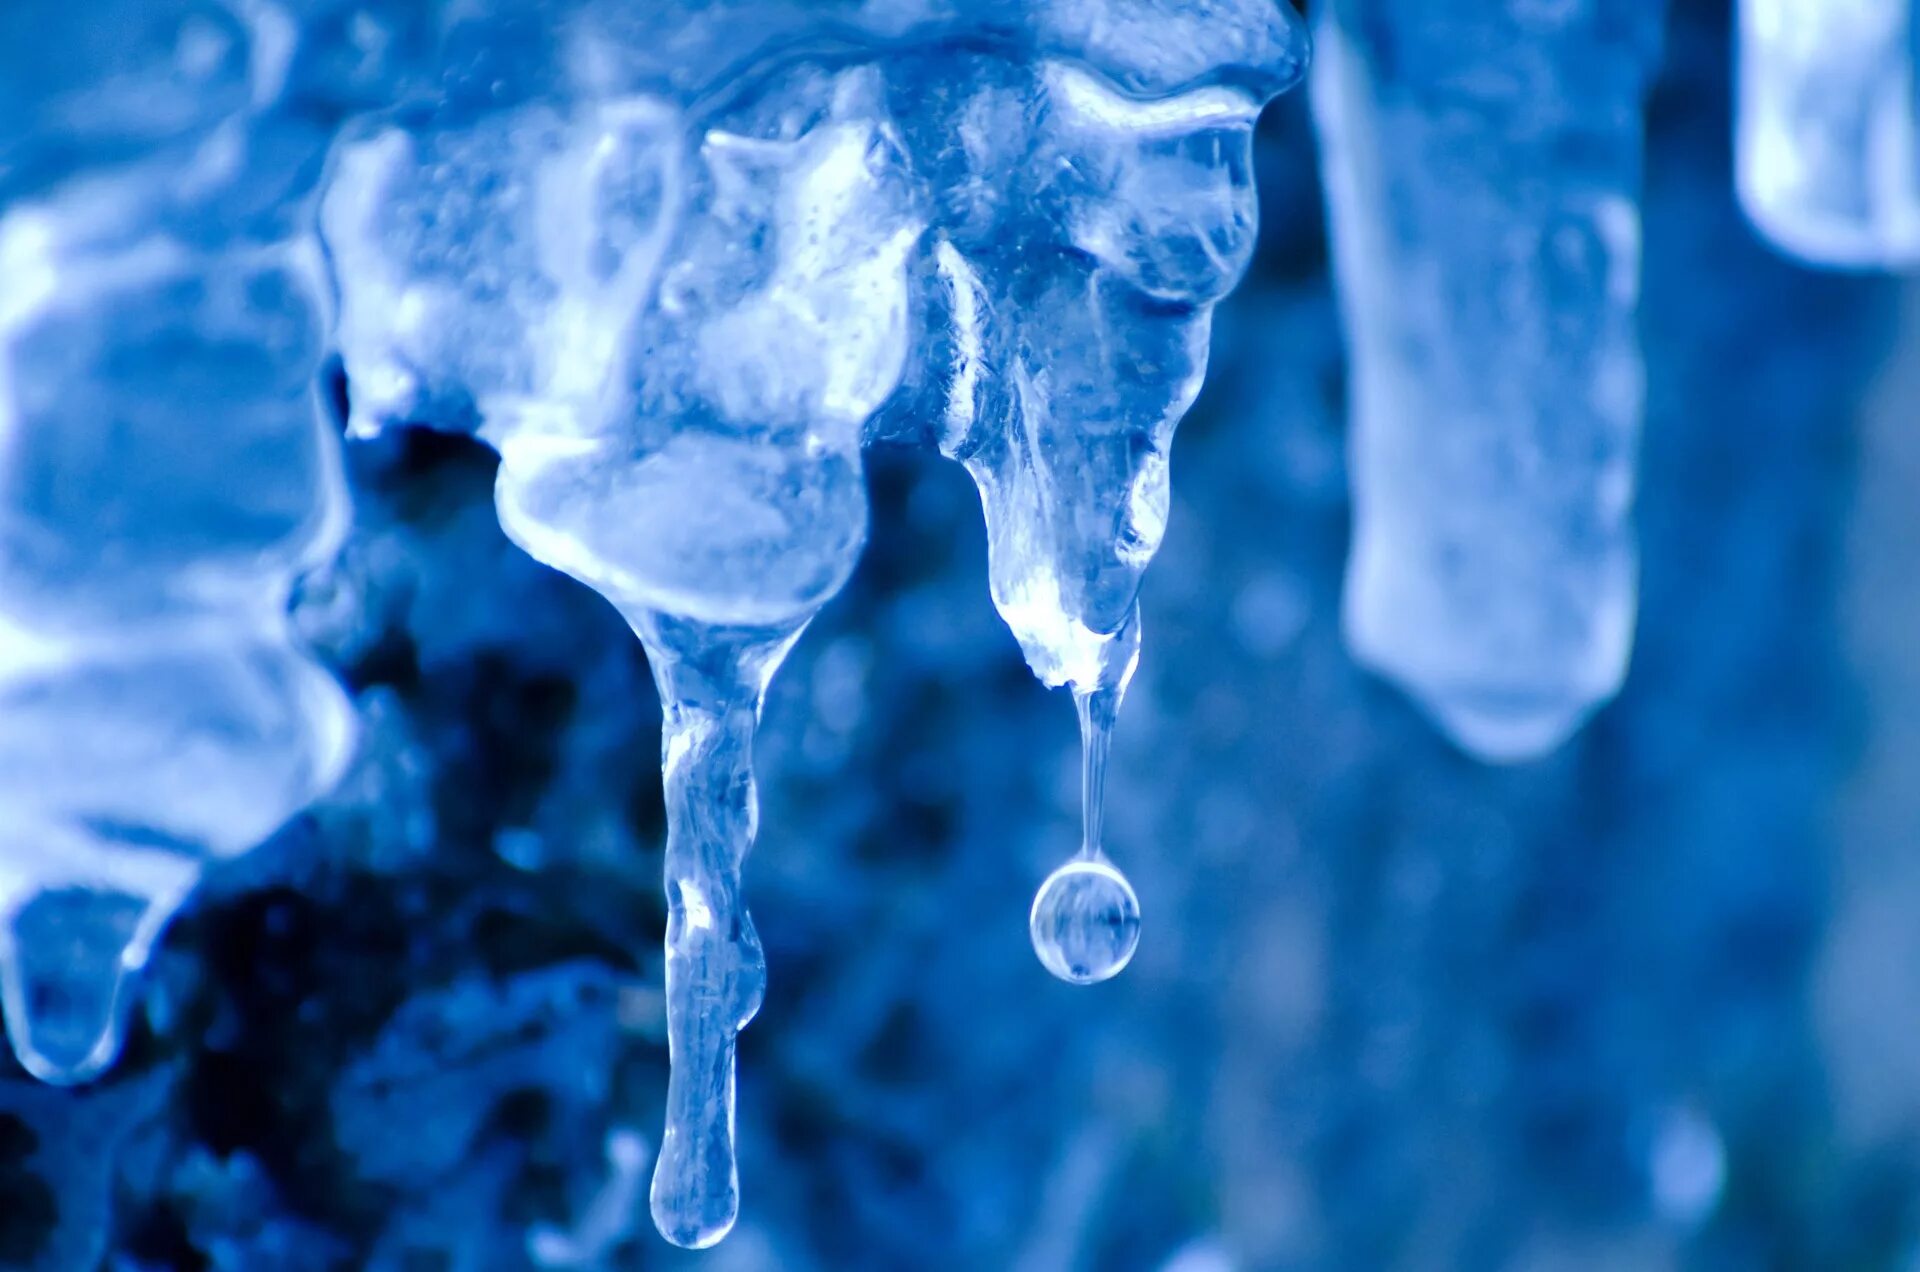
point(164, 477)
point(673, 333)
point(672, 263)
point(1482, 173)
point(1080, 236)
point(677, 262)
point(1827, 130)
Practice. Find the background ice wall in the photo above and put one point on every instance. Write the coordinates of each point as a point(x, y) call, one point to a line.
point(1648, 1004)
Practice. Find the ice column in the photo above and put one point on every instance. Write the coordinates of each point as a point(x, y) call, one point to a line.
point(673, 334)
point(164, 477)
point(1482, 164)
point(1827, 134)
point(1088, 216)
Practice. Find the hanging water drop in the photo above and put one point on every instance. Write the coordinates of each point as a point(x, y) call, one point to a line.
point(1085, 921)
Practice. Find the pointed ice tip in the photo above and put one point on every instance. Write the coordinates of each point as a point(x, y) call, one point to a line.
point(66, 1060)
point(1509, 710)
point(1501, 724)
point(1831, 240)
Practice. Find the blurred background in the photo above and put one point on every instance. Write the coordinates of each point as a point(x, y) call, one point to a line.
point(1651, 1003)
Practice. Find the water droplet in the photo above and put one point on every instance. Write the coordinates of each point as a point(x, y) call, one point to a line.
point(1085, 921)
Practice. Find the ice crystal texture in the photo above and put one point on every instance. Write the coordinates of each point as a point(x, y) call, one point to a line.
point(1828, 128)
point(1483, 172)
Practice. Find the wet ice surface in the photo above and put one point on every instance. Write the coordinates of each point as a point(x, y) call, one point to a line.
point(1482, 187)
point(1828, 129)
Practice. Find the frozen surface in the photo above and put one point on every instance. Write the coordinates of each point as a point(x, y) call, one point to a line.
point(1483, 173)
point(1828, 128)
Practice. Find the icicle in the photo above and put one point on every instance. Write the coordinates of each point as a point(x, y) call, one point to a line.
point(1827, 128)
point(712, 682)
point(1083, 237)
point(673, 312)
point(165, 475)
point(1482, 169)
point(674, 340)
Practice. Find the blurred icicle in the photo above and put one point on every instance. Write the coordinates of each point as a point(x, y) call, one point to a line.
point(1827, 129)
point(1482, 168)
point(165, 476)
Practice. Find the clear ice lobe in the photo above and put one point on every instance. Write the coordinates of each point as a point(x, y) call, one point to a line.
point(1482, 171)
point(1085, 921)
point(165, 475)
point(1827, 129)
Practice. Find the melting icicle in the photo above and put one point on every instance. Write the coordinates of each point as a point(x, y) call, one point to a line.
point(1827, 128)
point(1086, 919)
point(1082, 237)
point(712, 682)
point(1486, 244)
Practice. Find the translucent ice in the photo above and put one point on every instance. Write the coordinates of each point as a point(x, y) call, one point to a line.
point(671, 262)
point(1085, 920)
point(1080, 236)
point(164, 477)
point(1482, 168)
point(1827, 131)
point(673, 327)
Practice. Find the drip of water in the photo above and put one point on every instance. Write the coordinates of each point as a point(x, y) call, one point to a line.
point(1085, 921)
point(712, 681)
